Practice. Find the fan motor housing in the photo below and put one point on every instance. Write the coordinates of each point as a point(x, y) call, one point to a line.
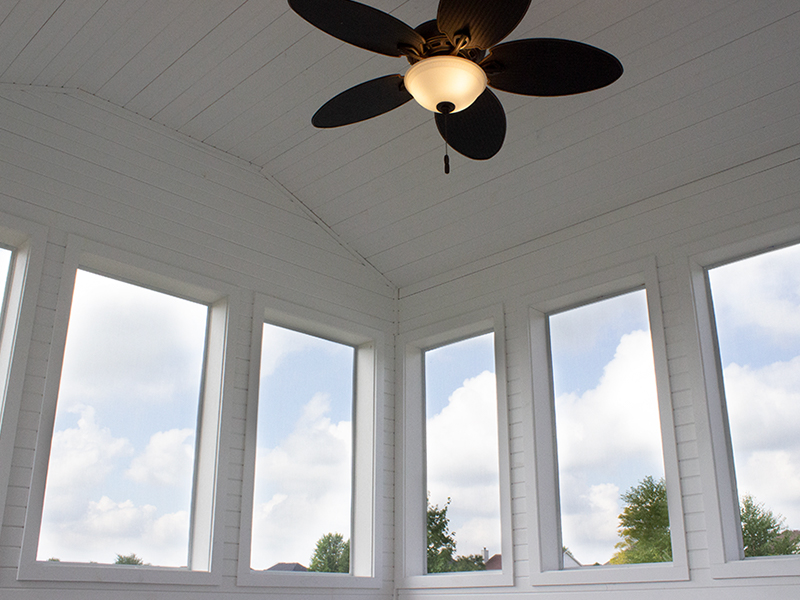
point(437, 44)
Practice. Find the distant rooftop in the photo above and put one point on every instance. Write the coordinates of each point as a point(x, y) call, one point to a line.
point(287, 566)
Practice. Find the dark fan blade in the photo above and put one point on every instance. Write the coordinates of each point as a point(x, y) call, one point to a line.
point(362, 102)
point(549, 67)
point(360, 25)
point(477, 131)
point(486, 22)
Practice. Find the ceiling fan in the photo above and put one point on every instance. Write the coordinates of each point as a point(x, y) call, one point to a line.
point(453, 59)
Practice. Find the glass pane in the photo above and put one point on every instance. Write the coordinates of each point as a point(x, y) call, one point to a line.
point(303, 475)
point(119, 481)
point(462, 456)
point(610, 462)
point(5, 264)
point(5, 267)
point(757, 312)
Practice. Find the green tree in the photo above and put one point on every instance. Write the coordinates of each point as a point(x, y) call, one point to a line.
point(763, 532)
point(331, 555)
point(442, 545)
point(644, 524)
point(470, 562)
point(644, 527)
point(129, 559)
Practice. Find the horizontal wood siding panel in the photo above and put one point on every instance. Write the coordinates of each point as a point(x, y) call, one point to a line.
point(80, 166)
point(750, 199)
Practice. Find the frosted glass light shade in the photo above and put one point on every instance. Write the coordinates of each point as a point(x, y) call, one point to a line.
point(445, 79)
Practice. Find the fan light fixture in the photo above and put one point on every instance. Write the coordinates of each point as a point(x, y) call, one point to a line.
point(445, 81)
point(457, 59)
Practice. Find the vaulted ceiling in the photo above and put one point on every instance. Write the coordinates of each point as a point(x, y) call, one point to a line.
point(708, 85)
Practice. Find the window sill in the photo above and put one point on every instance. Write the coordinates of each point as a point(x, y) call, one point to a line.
point(305, 579)
point(475, 579)
point(96, 573)
point(609, 574)
point(763, 566)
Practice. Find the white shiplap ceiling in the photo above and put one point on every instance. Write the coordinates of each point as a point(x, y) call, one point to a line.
point(708, 85)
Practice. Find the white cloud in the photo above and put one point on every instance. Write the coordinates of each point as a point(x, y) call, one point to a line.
point(168, 459)
point(608, 438)
point(764, 404)
point(616, 420)
point(462, 449)
point(591, 531)
point(772, 477)
point(462, 438)
point(763, 291)
point(125, 341)
point(80, 458)
point(108, 528)
point(79, 527)
point(764, 414)
point(302, 488)
point(107, 518)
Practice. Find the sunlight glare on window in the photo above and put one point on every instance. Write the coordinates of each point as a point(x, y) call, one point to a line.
point(462, 453)
point(757, 313)
point(119, 479)
point(303, 471)
point(607, 431)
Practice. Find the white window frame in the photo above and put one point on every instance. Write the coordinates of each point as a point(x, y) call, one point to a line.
point(206, 540)
point(366, 565)
point(411, 492)
point(720, 496)
point(27, 242)
point(546, 556)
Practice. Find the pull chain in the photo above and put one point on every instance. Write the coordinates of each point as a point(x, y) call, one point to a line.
point(446, 157)
point(446, 108)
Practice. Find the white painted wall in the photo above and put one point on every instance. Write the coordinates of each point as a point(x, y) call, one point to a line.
point(70, 164)
point(743, 208)
point(74, 167)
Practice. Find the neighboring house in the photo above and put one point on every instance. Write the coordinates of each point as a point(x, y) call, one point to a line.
point(287, 566)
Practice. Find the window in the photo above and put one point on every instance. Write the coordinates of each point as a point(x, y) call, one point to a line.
point(310, 451)
point(5, 266)
point(454, 450)
point(463, 479)
point(608, 433)
point(5, 270)
point(127, 452)
point(303, 466)
point(120, 475)
point(21, 258)
point(756, 308)
point(603, 428)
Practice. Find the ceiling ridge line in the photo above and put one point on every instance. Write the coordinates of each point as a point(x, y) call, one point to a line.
point(216, 151)
point(325, 227)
